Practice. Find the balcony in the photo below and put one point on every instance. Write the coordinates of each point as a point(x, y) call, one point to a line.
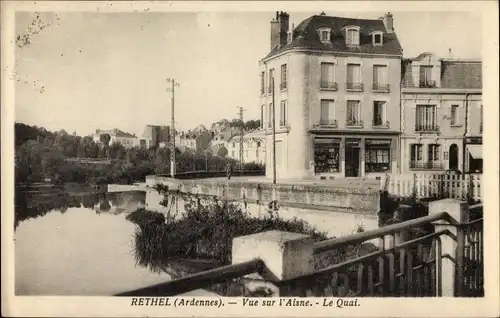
point(380, 88)
point(354, 123)
point(429, 165)
point(380, 124)
point(427, 128)
point(354, 87)
point(326, 123)
point(329, 86)
point(283, 86)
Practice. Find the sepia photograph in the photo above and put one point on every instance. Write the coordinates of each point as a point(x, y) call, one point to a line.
point(315, 158)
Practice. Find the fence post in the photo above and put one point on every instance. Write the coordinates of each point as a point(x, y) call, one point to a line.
point(451, 273)
point(285, 255)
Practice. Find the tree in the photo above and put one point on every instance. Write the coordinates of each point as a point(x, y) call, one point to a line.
point(116, 151)
point(222, 152)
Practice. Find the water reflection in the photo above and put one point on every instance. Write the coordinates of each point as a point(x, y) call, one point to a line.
point(35, 204)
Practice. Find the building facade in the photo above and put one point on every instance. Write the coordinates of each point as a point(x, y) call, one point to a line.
point(254, 147)
point(336, 97)
point(441, 114)
point(127, 140)
point(155, 136)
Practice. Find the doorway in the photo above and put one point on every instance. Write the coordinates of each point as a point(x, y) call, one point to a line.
point(453, 157)
point(352, 158)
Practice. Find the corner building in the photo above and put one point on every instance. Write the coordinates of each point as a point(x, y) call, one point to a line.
point(337, 97)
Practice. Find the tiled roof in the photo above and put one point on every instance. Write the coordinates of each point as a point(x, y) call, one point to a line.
point(115, 132)
point(305, 36)
point(454, 74)
point(461, 74)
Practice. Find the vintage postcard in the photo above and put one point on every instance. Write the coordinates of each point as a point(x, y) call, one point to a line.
point(250, 159)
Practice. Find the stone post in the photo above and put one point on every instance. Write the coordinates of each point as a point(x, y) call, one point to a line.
point(285, 255)
point(452, 279)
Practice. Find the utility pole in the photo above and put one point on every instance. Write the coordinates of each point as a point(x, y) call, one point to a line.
point(274, 133)
point(240, 113)
point(172, 128)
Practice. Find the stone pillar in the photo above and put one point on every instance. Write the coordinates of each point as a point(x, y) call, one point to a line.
point(285, 254)
point(452, 267)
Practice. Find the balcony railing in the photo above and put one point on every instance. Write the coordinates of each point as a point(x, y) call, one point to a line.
point(354, 123)
point(283, 123)
point(269, 89)
point(380, 124)
point(429, 165)
point(329, 85)
point(358, 87)
point(427, 84)
point(326, 123)
point(282, 86)
point(429, 128)
point(380, 88)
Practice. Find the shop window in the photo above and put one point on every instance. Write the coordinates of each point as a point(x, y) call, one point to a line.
point(326, 155)
point(377, 155)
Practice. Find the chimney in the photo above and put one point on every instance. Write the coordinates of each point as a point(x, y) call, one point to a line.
point(450, 55)
point(279, 29)
point(388, 22)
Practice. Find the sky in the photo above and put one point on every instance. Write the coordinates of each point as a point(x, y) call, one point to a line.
point(90, 70)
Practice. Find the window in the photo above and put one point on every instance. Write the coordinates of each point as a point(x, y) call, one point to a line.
point(379, 115)
point(353, 113)
point(380, 78)
point(326, 155)
point(433, 152)
point(234, 144)
point(481, 119)
point(354, 77)
point(283, 113)
point(262, 82)
point(426, 118)
point(426, 76)
point(352, 37)
point(283, 77)
point(289, 37)
point(454, 115)
point(325, 35)
point(377, 155)
point(327, 112)
point(262, 112)
point(377, 38)
point(279, 152)
point(271, 80)
point(232, 153)
point(328, 76)
point(270, 115)
point(416, 155)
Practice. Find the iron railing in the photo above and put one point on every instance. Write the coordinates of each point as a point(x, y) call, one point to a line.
point(329, 85)
point(380, 124)
point(429, 128)
point(427, 165)
point(380, 88)
point(282, 86)
point(354, 87)
point(199, 280)
point(354, 123)
point(326, 123)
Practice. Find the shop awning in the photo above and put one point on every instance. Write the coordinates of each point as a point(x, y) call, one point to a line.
point(476, 151)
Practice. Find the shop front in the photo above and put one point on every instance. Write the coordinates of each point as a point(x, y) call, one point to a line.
point(353, 156)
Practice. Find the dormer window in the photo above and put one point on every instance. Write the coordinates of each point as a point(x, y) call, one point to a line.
point(352, 36)
point(377, 38)
point(324, 34)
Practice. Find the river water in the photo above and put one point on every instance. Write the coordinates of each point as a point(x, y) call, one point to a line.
point(78, 245)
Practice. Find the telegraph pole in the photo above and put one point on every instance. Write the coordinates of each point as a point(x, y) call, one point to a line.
point(240, 113)
point(274, 133)
point(172, 128)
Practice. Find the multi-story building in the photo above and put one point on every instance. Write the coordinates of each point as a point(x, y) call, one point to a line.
point(116, 136)
point(154, 136)
point(441, 114)
point(254, 149)
point(336, 95)
point(194, 140)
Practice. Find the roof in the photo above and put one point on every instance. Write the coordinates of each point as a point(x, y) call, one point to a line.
point(255, 134)
point(115, 133)
point(455, 74)
point(305, 36)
